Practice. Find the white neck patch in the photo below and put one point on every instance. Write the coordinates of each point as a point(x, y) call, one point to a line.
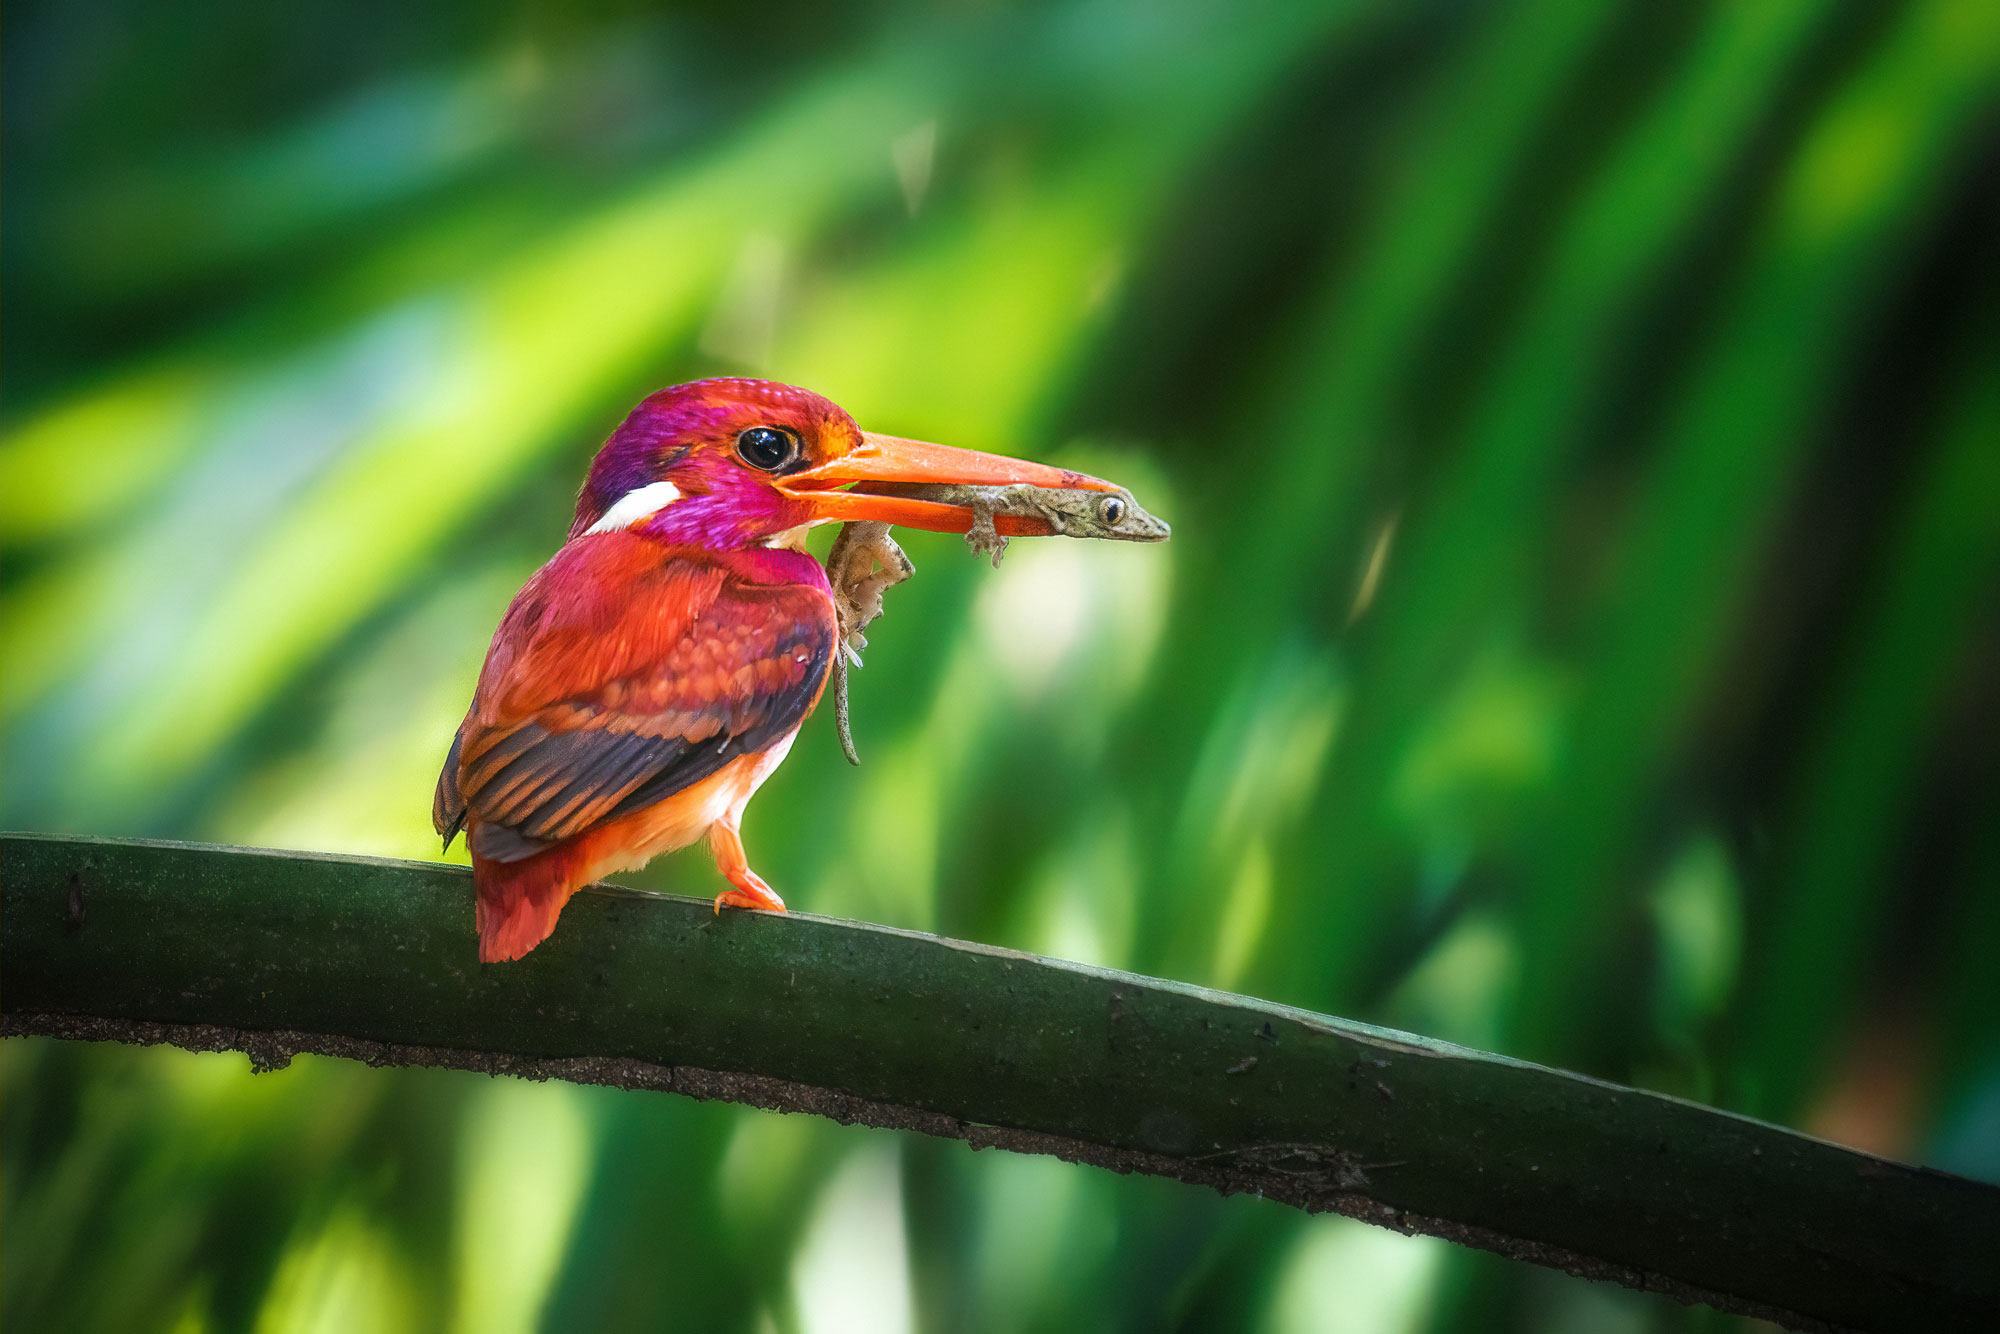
point(636, 505)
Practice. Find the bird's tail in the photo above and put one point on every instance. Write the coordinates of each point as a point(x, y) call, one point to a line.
point(518, 902)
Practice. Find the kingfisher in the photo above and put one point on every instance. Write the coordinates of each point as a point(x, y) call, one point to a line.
point(648, 679)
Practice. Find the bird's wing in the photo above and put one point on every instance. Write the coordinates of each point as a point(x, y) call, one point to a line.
point(447, 803)
point(618, 679)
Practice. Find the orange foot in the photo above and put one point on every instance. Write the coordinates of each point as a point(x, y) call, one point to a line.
point(750, 891)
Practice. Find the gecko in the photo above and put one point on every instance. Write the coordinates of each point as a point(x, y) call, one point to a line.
point(865, 561)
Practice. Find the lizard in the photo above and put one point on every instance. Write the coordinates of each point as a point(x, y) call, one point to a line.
point(865, 561)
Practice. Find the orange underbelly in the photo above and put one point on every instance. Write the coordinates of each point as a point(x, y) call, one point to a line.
point(633, 840)
point(519, 901)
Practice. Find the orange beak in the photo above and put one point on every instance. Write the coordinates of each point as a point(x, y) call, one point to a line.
point(881, 464)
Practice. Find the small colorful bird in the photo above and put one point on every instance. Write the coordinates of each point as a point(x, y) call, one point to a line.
point(657, 669)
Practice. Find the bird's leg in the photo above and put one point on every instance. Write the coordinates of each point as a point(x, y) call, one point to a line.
point(750, 891)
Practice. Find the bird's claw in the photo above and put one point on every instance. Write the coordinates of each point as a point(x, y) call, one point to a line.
point(764, 899)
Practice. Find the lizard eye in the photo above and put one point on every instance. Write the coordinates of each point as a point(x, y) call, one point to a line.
point(767, 447)
point(1111, 509)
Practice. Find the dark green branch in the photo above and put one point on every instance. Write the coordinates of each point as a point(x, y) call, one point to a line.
point(279, 953)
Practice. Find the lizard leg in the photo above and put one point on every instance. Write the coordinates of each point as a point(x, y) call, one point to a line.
point(983, 537)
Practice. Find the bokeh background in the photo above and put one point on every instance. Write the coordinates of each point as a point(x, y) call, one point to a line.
point(1580, 637)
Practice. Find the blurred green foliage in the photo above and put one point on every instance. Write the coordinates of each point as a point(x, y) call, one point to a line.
point(1581, 635)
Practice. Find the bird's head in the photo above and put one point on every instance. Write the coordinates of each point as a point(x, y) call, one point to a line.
point(732, 464)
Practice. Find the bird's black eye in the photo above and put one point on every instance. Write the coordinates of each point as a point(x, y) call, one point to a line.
point(1111, 509)
point(767, 447)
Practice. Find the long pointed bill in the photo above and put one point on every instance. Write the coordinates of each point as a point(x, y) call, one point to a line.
point(882, 463)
